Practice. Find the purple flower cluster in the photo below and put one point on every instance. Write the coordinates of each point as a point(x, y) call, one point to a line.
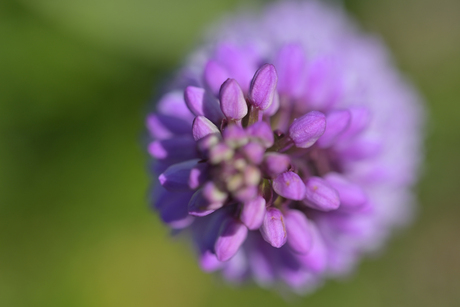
point(287, 148)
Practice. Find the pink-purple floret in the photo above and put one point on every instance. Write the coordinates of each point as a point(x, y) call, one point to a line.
point(288, 148)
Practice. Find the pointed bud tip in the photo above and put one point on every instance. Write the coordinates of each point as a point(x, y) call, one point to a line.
point(263, 87)
point(306, 130)
point(273, 229)
point(232, 101)
point(321, 195)
point(289, 185)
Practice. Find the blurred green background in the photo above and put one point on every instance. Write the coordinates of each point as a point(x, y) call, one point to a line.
point(75, 228)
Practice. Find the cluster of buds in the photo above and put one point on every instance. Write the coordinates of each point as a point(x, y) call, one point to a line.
point(275, 174)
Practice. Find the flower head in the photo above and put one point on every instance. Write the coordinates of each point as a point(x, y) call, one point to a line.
point(288, 148)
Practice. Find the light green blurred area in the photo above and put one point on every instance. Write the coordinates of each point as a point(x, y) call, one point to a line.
point(75, 227)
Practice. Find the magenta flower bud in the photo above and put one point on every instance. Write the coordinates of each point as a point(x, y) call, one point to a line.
point(289, 185)
point(263, 132)
point(273, 229)
point(290, 65)
point(214, 75)
point(176, 178)
point(298, 230)
point(232, 234)
point(232, 100)
point(351, 195)
point(253, 213)
point(337, 123)
point(321, 195)
point(202, 127)
point(275, 163)
point(263, 87)
point(201, 104)
point(305, 130)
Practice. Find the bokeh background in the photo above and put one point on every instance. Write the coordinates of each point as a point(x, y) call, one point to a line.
point(75, 228)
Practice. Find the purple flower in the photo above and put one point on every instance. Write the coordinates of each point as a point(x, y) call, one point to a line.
point(288, 147)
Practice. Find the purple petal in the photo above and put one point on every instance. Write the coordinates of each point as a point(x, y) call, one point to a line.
point(206, 200)
point(337, 123)
point(273, 108)
point(209, 261)
point(232, 235)
point(321, 195)
point(173, 209)
point(263, 87)
point(236, 269)
point(176, 177)
point(289, 185)
point(351, 195)
point(263, 132)
point(214, 75)
point(175, 149)
point(298, 231)
point(203, 127)
point(232, 100)
point(165, 126)
point(361, 148)
point(360, 118)
point(253, 213)
point(290, 65)
point(273, 229)
point(322, 88)
point(239, 62)
point(275, 163)
point(259, 260)
point(200, 103)
point(305, 130)
point(316, 259)
point(290, 269)
point(173, 104)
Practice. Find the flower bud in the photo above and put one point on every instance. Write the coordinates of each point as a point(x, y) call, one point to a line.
point(273, 229)
point(232, 102)
point(202, 127)
point(321, 195)
point(232, 234)
point(263, 87)
point(253, 213)
point(305, 130)
point(289, 185)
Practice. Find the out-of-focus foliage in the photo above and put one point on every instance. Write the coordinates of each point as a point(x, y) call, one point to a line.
point(75, 228)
